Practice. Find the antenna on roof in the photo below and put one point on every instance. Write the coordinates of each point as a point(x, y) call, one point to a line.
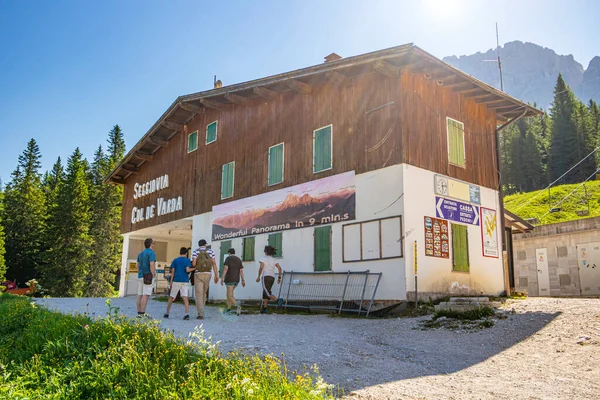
point(499, 63)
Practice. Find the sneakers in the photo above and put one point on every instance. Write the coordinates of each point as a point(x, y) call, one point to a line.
point(166, 316)
point(264, 310)
point(200, 317)
point(187, 317)
point(280, 301)
point(238, 310)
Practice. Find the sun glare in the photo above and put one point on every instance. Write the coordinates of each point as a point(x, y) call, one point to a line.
point(442, 10)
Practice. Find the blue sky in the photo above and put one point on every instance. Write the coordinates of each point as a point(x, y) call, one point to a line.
point(70, 70)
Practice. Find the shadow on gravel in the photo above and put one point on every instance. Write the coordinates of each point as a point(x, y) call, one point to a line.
point(407, 352)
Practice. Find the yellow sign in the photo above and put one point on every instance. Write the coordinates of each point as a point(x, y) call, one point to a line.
point(415, 257)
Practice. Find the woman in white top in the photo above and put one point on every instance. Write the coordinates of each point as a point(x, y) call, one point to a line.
point(266, 275)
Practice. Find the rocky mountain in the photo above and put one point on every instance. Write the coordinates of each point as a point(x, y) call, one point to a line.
point(529, 72)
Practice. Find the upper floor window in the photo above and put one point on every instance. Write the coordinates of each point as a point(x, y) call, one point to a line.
point(192, 141)
point(456, 142)
point(227, 178)
point(322, 149)
point(211, 132)
point(276, 162)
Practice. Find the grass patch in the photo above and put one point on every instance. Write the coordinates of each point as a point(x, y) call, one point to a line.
point(540, 206)
point(47, 355)
point(470, 315)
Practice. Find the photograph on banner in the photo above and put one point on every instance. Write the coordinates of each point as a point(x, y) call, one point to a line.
point(320, 202)
point(437, 240)
point(489, 232)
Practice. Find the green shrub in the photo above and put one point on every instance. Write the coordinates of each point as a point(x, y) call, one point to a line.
point(48, 355)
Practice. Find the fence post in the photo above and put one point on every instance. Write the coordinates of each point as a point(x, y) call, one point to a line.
point(374, 291)
point(344, 293)
point(287, 296)
point(362, 296)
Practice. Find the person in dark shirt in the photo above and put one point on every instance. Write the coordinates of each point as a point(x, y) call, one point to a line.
point(232, 272)
point(180, 281)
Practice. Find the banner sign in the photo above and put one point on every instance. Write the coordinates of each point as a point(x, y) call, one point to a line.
point(489, 233)
point(456, 211)
point(437, 243)
point(319, 202)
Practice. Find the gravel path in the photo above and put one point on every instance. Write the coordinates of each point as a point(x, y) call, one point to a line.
point(534, 354)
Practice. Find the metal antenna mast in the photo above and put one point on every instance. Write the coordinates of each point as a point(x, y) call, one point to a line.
point(498, 60)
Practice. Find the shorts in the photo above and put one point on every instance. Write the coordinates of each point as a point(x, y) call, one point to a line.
point(144, 290)
point(182, 287)
point(234, 284)
point(267, 283)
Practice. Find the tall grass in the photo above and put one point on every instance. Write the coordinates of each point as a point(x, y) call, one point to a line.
point(48, 355)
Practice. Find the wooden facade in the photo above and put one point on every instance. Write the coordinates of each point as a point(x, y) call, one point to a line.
point(379, 118)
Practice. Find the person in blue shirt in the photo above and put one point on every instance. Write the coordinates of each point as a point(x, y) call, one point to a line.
point(180, 281)
point(146, 261)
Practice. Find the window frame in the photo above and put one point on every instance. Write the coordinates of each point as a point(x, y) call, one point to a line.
point(463, 143)
point(232, 180)
point(282, 144)
point(330, 147)
point(360, 223)
point(216, 131)
point(188, 142)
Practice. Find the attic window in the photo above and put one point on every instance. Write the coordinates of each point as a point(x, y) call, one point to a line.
point(211, 132)
point(192, 141)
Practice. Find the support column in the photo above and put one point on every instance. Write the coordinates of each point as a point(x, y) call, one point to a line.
point(124, 266)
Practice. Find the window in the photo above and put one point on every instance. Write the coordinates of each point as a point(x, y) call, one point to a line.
point(456, 142)
point(276, 240)
point(276, 162)
point(225, 246)
point(460, 248)
point(322, 146)
point(378, 239)
point(323, 248)
point(248, 251)
point(227, 177)
point(192, 141)
point(211, 132)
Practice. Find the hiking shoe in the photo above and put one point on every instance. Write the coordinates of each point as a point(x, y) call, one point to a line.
point(186, 317)
point(264, 311)
point(238, 310)
point(166, 316)
point(200, 317)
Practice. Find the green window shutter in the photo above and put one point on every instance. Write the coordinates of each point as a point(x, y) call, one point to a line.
point(248, 249)
point(192, 141)
point(460, 248)
point(225, 246)
point(227, 178)
point(323, 248)
point(276, 161)
point(211, 132)
point(456, 143)
point(276, 240)
point(322, 149)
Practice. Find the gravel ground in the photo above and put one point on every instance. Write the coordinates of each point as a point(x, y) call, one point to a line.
point(533, 354)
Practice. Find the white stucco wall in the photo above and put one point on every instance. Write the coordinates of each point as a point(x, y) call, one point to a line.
point(378, 195)
point(435, 275)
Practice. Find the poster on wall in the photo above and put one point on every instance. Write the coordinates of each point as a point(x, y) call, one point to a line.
point(320, 202)
point(489, 232)
point(437, 243)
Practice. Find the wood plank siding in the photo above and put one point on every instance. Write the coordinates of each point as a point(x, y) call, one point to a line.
point(377, 121)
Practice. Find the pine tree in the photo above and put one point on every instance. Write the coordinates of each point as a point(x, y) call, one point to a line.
point(71, 252)
point(52, 184)
point(116, 146)
point(2, 248)
point(595, 117)
point(101, 279)
point(585, 141)
point(24, 217)
point(563, 143)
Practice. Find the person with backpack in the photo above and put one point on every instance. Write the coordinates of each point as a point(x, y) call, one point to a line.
point(180, 282)
point(203, 260)
point(266, 275)
point(146, 266)
point(233, 270)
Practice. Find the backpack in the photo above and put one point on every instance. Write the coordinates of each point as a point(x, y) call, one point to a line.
point(203, 262)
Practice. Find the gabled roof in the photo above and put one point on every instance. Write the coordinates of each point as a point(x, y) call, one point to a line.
point(387, 62)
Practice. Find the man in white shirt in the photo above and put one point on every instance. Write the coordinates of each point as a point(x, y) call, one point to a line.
point(203, 260)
